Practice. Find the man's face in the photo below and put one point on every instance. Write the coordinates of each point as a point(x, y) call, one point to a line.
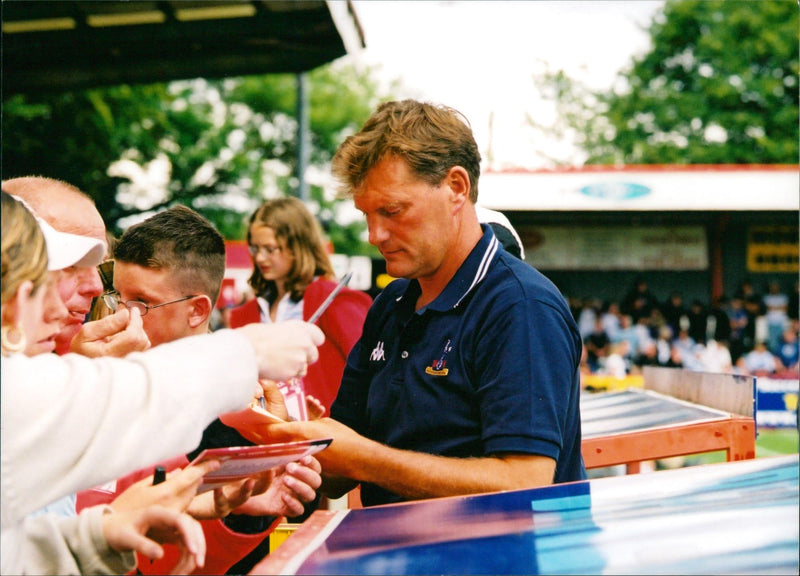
point(78, 286)
point(409, 220)
point(164, 324)
point(54, 314)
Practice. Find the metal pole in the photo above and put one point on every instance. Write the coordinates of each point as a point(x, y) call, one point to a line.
point(303, 136)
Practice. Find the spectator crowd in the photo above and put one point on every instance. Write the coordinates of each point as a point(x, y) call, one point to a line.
point(749, 333)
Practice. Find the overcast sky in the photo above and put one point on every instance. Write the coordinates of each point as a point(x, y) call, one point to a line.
point(480, 56)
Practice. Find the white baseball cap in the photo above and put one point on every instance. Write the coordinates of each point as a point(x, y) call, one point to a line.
point(503, 229)
point(65, 249)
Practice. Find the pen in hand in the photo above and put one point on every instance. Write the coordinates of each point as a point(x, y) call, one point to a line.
point(314, 317)
point(327, 302)
point(159, 475)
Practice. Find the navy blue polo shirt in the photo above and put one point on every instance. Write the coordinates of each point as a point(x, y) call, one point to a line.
point(489, 367)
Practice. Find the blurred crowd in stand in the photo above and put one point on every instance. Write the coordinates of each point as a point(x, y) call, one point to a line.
point(748, 332)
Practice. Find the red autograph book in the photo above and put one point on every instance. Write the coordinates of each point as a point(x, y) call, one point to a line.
point(253, 423)
point(241, 462)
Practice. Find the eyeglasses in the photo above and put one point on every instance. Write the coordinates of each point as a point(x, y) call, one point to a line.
point(270, 250)
point(113, 301)
point(106, 270)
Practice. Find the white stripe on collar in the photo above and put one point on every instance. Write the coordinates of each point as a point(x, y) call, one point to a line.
point(483, 268)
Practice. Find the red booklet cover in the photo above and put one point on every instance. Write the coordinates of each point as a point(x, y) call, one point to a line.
point(253, 423)
point(240, 462)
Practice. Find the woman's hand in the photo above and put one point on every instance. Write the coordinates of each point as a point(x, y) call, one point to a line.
point(143, 529)
point(176, 492)
point(288, 492)
point(222, 501)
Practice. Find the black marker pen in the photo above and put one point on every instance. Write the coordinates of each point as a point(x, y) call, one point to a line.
point(159, 475)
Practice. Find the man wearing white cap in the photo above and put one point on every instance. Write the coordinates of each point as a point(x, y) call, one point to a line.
point(64, 251)
point(70, 211)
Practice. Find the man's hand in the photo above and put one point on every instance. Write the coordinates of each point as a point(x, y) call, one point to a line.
point(284, 350)
point(314, 407)
point(117, 335)
point(286, 495)
point(273, 399)
point(142, 529)
point(334, 458)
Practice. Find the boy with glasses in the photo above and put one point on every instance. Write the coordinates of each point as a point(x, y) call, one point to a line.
point(170, 267)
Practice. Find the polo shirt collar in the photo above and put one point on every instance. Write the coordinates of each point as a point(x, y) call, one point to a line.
point(468, 276)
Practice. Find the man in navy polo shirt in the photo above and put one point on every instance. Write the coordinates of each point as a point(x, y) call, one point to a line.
point(465, 379)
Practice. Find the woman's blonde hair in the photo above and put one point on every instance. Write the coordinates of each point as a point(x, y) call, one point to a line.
point(24, 254)
point(300, 234)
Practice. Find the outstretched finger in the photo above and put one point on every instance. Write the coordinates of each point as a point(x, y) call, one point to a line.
point(134, 541)
point(192, 545)
point(300, 489)
point(227, 498)
point(182, 485)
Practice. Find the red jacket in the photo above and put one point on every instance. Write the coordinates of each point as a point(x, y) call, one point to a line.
point(342, 323)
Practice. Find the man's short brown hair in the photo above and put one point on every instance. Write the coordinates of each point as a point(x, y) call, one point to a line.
point(430, 138)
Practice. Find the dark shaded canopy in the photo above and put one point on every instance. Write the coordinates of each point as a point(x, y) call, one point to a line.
point(55, 45)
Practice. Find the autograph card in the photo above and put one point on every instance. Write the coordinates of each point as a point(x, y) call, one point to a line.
point(241, 462)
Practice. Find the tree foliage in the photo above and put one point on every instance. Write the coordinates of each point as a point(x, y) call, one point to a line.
point(718, 86)
point(219, 146)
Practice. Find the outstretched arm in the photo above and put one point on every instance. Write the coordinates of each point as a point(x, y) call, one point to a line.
point(413, 475)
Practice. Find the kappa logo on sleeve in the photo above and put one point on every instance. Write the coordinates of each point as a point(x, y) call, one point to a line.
point(439, 366)
point(377, 353)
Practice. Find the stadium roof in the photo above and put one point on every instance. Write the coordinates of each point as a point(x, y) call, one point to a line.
point(644, 188)
point(56, 45)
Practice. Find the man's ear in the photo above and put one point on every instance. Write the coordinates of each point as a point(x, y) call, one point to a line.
point(457, 180)
point(200, 311)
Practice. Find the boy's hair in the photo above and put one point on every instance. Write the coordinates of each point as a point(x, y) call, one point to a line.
point(430, 138)
point(181, 241)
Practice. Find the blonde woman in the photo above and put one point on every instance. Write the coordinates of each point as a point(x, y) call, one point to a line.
point(292, 275)
point(25, 276)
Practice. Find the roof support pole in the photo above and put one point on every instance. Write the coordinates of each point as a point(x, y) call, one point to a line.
point(303, 136)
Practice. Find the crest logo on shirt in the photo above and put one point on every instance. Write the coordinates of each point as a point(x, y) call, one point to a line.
point(439, 366)
point(377, 353)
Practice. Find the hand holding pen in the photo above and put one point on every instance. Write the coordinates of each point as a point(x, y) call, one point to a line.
point(318, 313)
point(327, 302)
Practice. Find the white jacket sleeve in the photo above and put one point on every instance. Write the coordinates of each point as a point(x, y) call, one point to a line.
point(73, 545)
point(70, 422)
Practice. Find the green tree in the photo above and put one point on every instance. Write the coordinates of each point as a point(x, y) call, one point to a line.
point(219, 146)
point(718, 86)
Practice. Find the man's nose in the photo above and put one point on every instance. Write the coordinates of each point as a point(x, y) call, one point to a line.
point(378, 232)
point(89, 282)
